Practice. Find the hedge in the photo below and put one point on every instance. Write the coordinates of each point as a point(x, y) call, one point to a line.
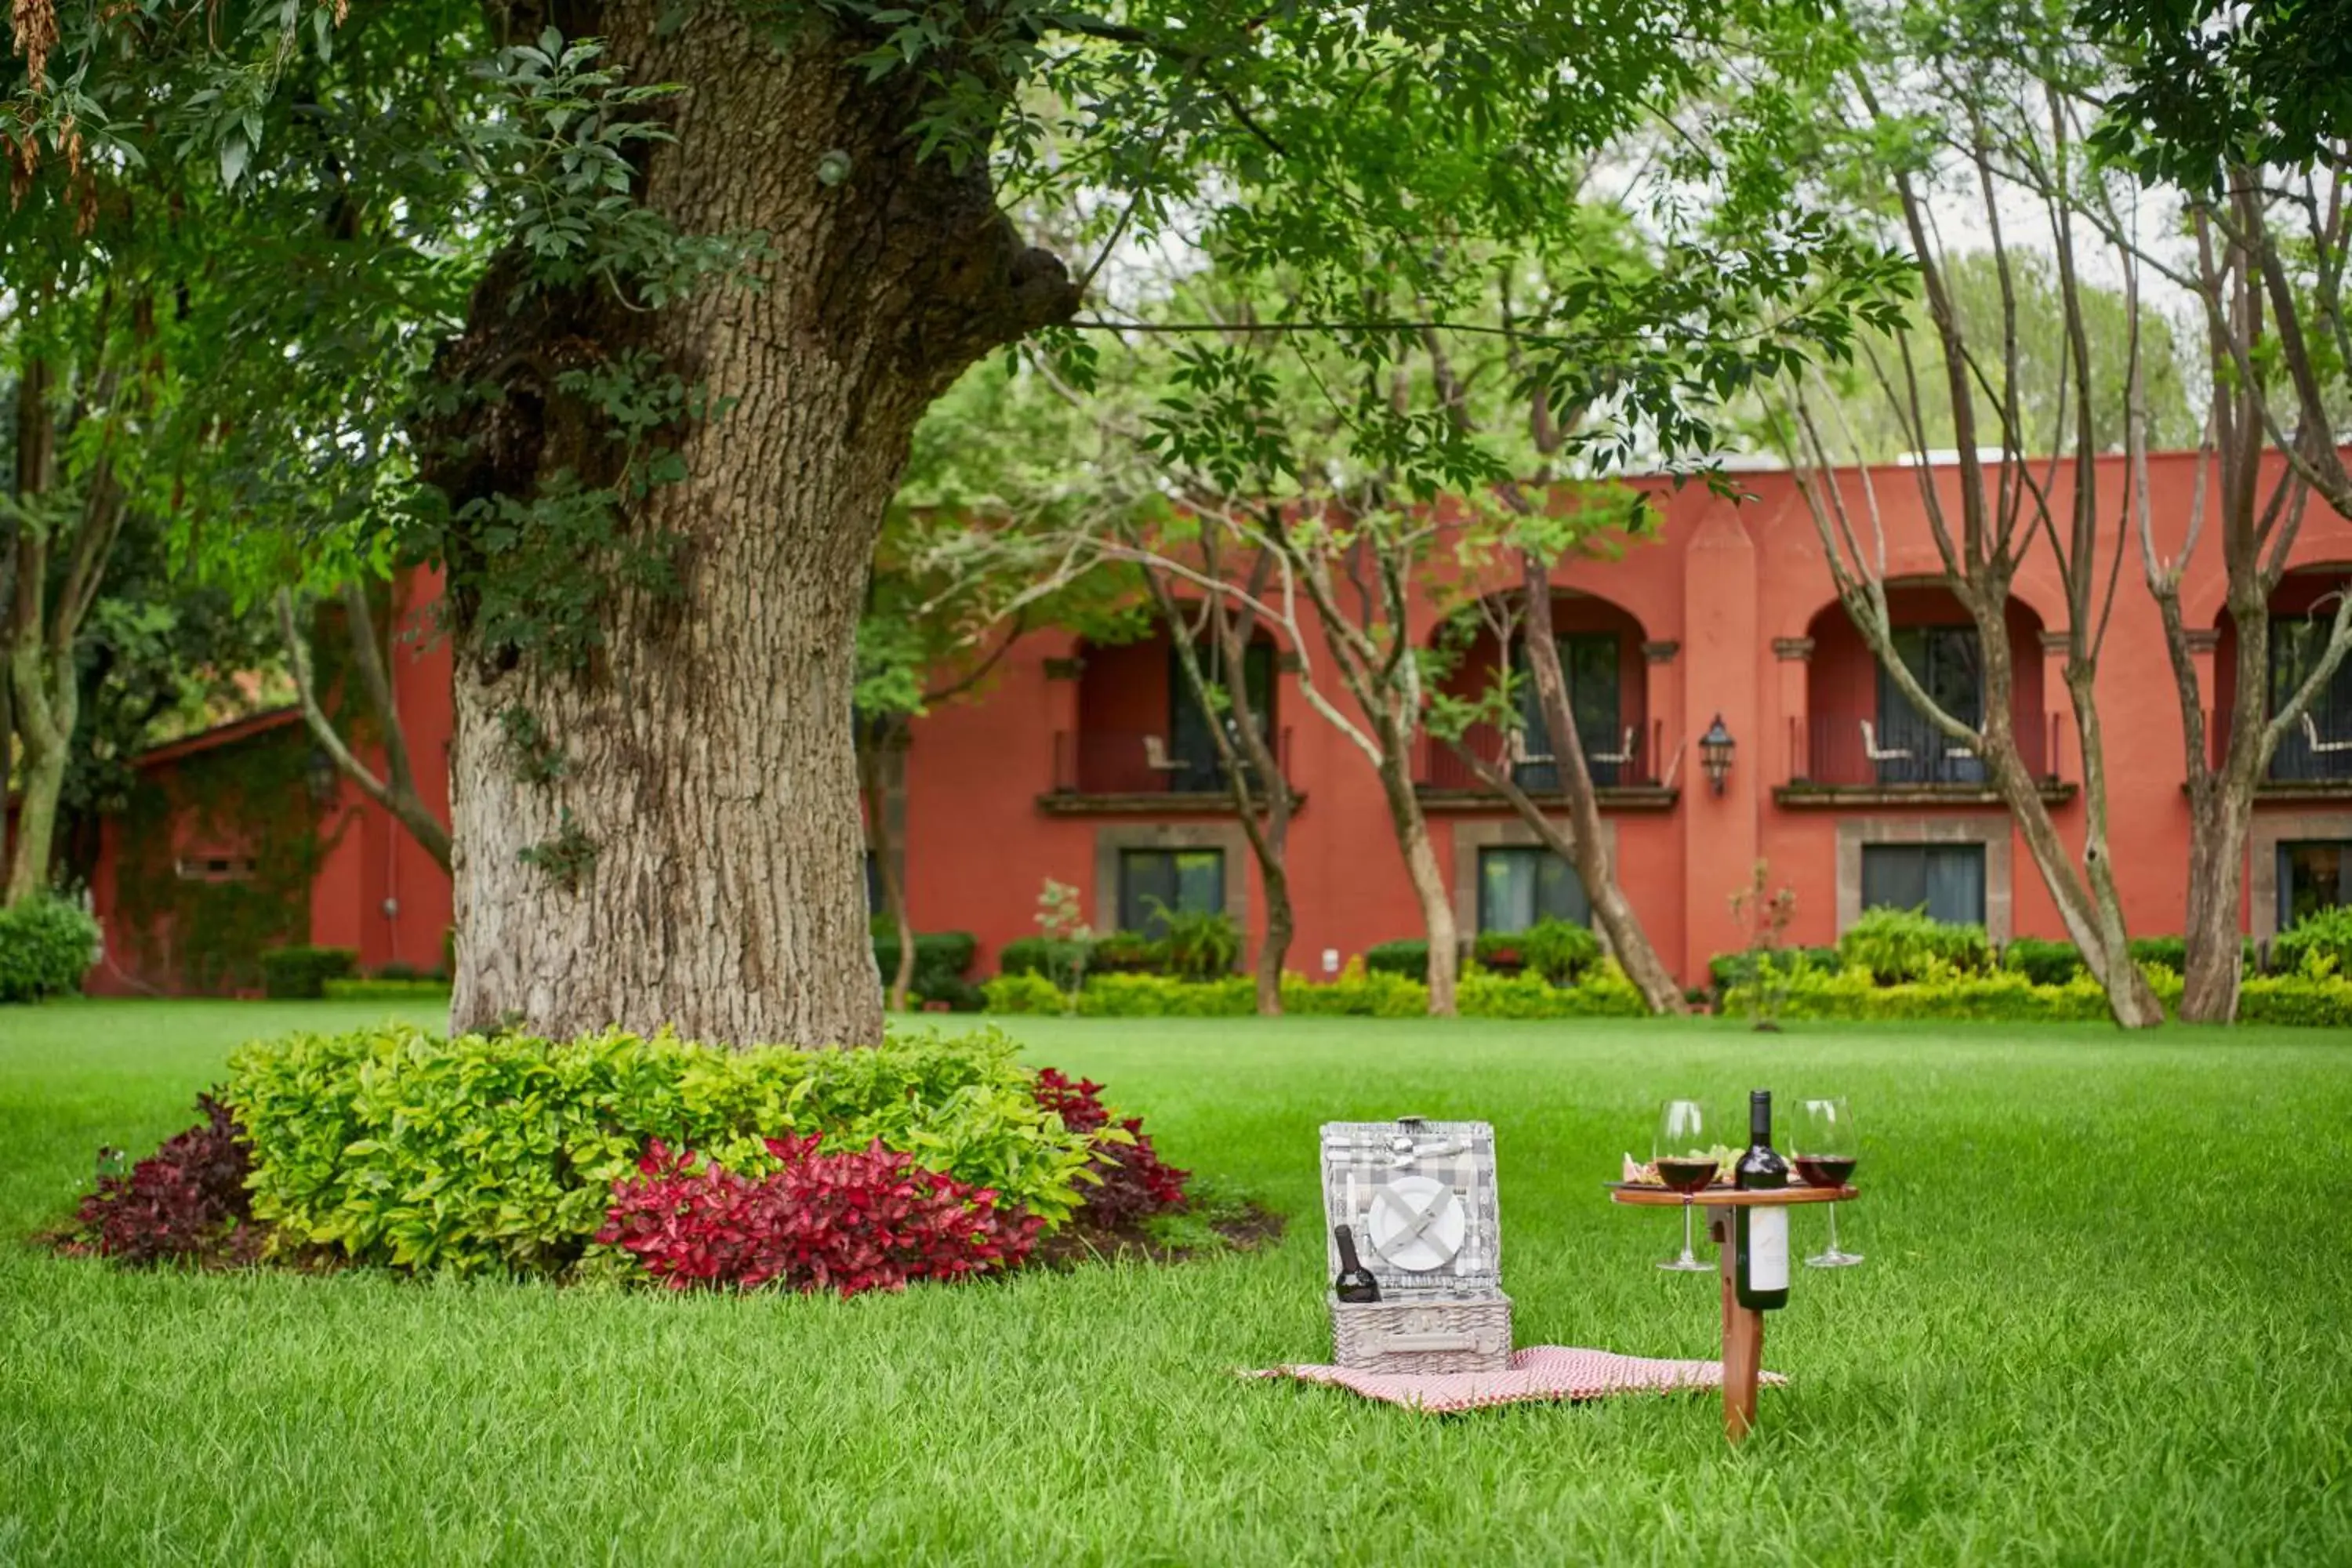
point(497, 1153)
point(1361, 991)
point(46, 945)
point(300, 974)
point(1409, 957)
point(2315, 939)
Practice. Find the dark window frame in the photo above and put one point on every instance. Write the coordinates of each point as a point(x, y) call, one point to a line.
point(1593, 663)
point(1893, 889)
point(1567, 899)
point(1135, 912)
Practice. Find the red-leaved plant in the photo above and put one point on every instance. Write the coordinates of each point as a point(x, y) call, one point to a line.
point(186, 1200)
point(1133, 1180)
point(868, 1219)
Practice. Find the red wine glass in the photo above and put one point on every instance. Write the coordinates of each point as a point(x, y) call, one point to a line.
point(1825, 1154)
point(1684, 1159)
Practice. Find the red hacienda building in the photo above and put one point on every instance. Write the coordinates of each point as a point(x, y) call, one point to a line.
point(1086, 764)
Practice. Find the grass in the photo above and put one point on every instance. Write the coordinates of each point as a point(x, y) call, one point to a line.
point(2106, 1318)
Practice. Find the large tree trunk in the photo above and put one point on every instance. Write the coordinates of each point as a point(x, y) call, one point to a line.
point(2217, 869)
point(1588, 851)
point(697, 862)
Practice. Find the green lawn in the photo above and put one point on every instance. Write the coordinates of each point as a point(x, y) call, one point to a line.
point(2106, 1317)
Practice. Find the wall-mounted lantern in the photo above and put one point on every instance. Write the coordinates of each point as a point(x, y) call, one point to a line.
point(1714, 750)
point(323, 776)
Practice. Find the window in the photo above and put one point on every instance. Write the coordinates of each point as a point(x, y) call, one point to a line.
point(1590, 662)
point(216, 867)
point(1944, 661)
point(1517, 887)
point(1191, 746)
point(1156, 882)
point(2296, 643)
point(1947, 880)
point(2314, 875)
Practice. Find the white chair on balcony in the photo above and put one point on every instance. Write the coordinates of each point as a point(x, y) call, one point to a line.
point(1877, 753)
point(1622, 754)
point(2311, 738)
point(1156, 757)
point(1515, 753)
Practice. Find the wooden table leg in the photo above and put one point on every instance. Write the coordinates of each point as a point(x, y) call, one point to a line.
point(1743, 1338)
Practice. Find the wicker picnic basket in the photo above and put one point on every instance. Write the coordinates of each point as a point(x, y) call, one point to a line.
point(1419, 1196)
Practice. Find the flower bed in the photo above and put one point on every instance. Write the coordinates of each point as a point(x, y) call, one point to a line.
point(929, 1157)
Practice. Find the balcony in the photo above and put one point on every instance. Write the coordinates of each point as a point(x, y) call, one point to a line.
point(1838, 761)
point(1110, 773)
point(1624, 771)
point(2313, 762)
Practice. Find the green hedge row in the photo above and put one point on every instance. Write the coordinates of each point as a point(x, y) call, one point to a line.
point(46, 945)
point(300, 974)
point(2009, 996)
point(497, 1153)
point(1361, 991)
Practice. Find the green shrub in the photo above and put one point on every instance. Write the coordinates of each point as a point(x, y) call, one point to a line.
point(46, 945)
point(938, 955)
point(1024, 990)
point(1165, 996)
point(1041, 955)
point(1200, 945)
point(1126, 952)
point(2322, 934)
point(2162, 952)
point(1560, 950)
point(1409, 957)
point(1505, 952)
point(1727, 970)
point(498, 1153)
point(1603, 992)
point(2316, 1002)
point(1361, 991)
point(1901, 945)
point(300, 973)
point(2000, 995)
point(379, 989)
point(2041, 962)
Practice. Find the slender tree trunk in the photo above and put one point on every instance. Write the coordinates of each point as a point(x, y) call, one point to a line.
point(1421, 864)
point(396, 791)
point(698, 864)
point(49, 703)
point(884, 739)
point(1587, 849)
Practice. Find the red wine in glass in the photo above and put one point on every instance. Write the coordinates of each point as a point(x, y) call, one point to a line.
point(1685, 1175)
point(1825, 1170)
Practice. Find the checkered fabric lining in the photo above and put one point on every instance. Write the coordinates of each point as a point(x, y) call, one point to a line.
point(1537, 1373)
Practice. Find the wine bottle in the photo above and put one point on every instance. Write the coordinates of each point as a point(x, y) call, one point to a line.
point(1761, 1234)
point(1354, 1282)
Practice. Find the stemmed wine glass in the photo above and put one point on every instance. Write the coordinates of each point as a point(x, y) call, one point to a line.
point(1825, 1154)
point(1682, 1154)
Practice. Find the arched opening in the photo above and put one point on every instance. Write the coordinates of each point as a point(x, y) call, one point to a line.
point(1600, 646)
point(2317, 748)
point(1860, 730)
point(1142, 731)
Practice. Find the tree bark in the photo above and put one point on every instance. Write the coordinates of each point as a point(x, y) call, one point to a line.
point(698, 864)
point(1420, 866)
point(1586, 848)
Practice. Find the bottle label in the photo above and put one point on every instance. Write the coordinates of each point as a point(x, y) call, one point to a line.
point(1768, 1250)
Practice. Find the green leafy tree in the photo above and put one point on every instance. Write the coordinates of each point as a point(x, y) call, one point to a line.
point(2240, 118)
point(624, 313)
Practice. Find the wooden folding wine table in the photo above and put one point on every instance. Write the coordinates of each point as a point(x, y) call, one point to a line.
point(1743, 1328)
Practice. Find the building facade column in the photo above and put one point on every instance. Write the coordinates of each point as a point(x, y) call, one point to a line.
point(1721, 675)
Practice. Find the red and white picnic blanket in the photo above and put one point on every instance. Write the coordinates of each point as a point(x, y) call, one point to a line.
point(1539, 1372)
